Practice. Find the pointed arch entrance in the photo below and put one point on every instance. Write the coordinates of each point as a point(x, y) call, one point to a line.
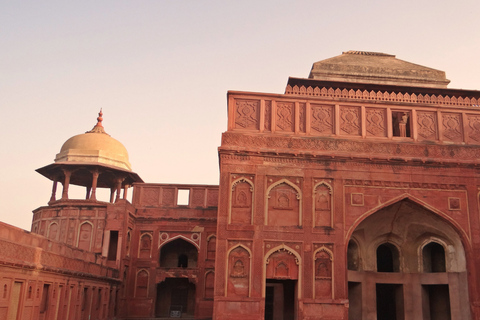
point(390, 258)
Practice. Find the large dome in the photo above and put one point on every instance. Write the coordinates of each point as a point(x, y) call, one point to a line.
point(94, 147)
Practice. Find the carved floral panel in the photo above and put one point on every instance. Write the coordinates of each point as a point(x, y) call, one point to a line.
point(427, 125)
point(322, 119)
point(474, 127)
point(285, 117)
point(376, 122)
point(247, 114)
point(452, 127)
point(268, 116)
point(350, 122)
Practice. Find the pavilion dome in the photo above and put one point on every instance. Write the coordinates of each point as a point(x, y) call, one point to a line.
point(94, 147)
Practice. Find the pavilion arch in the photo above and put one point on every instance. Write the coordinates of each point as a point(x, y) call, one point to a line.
point(330, 254)
point(227, 275)
point(290, 184)
point(298, 259)
point(408, 225)
point(330, 210)
point(52, 232)
point(79, 235)
point(406, 196)
point(178, 252)
point(230, 199)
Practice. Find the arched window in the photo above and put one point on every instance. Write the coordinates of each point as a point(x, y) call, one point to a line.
point(434, 258)
point(387, 258)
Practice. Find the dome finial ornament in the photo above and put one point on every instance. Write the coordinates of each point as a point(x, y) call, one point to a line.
point(98, 128)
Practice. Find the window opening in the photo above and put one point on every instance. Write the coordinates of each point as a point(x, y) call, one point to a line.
point(112, 246)
point(387, 258)
point(183, 261)
point(401, 123)
point(434, 258)
point(183, 197)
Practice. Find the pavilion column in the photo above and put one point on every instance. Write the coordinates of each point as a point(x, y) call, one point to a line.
point(112, 194)
point(125, 189)
point(66, 184)
point(87, 196)
point(118, 189)
point(93, 196)
point(54, 191)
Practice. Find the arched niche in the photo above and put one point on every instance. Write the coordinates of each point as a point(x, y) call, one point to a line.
point(283, 263)
point(209, 284)
point(238, 272)
point(323, 205)
point(211, 247)
point(178, 253)
point(141, 283)
point(353, 256)
point(145, 246)
point(323, 273)
point(283, 204)
point(85, 234)
point(388, 258)
point(241, 202)
point(52, 231)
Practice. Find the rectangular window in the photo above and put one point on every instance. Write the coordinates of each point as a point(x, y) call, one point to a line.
point(112, 246)
point(44, 302)
point(183, 197)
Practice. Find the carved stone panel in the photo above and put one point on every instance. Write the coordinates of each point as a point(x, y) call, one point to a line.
point(427, 125)
point(452, 127)
point(323, 273)
point(302, 118)
point(198, 197)
point(141, 290)
point(247, 114)
point(168, 198)
point(150, 196)
point(268, 116)
point(376, 122)
point(350, 120)
point(474, 127)
point(145, 246)
point(322, 119)
point(209, 284)
point(238, 272)
point(285, 117)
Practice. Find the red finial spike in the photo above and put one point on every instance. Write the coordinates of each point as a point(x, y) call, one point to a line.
point(100, 119)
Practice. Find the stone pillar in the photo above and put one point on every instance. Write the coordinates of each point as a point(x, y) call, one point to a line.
point(87, 196)
point(93, 196)
point(66, 184)
point(54, 191)
point(125, 189)
point(118, 188)
point(112, 193)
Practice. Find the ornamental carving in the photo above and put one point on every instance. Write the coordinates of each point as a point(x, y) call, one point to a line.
point(246, 115)
point(322, 119)
point(241, 202)
point(350, 120)
point(376, 122)
point(150, 196)
point(427, 125)
point(302, 118)
point(238, 272)
point(283, 205)
point(282, 264)
point(474, 124)
point(452, 126)
point(268, 116)
point(285, 117)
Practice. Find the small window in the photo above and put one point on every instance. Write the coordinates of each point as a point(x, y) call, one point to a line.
point(113, 245)
point(434, 258)
point(183, 261)
point(401, 123)
point(183, 197)
point(387, 258)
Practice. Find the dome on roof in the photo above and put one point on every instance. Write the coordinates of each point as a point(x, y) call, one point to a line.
point(94, 147)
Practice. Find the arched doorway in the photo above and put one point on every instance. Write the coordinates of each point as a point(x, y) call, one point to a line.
point(176, 295)
point(405, 261)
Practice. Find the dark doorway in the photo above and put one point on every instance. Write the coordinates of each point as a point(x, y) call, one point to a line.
point(175, 296)
point(389, 302)
point(355, 300)
point(280, 299)
point(436, 302)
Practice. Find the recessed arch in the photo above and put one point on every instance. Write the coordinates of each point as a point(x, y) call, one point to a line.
point(178, 253)
point(85, 236)
point(328, 209)
point(314, 271)
point(227, 264)
point(179, 237)
point(298, 196)
point(142, 278)
point(145, 245)
point(230, 200)
point(52, 231)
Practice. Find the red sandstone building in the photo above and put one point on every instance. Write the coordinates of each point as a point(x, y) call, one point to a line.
point(353, 195)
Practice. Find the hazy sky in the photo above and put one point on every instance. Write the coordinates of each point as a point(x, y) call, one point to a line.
point(161, 70)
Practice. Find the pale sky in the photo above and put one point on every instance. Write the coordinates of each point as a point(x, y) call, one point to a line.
point(161, 70)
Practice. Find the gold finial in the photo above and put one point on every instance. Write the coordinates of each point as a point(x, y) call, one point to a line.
point(100, 119)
